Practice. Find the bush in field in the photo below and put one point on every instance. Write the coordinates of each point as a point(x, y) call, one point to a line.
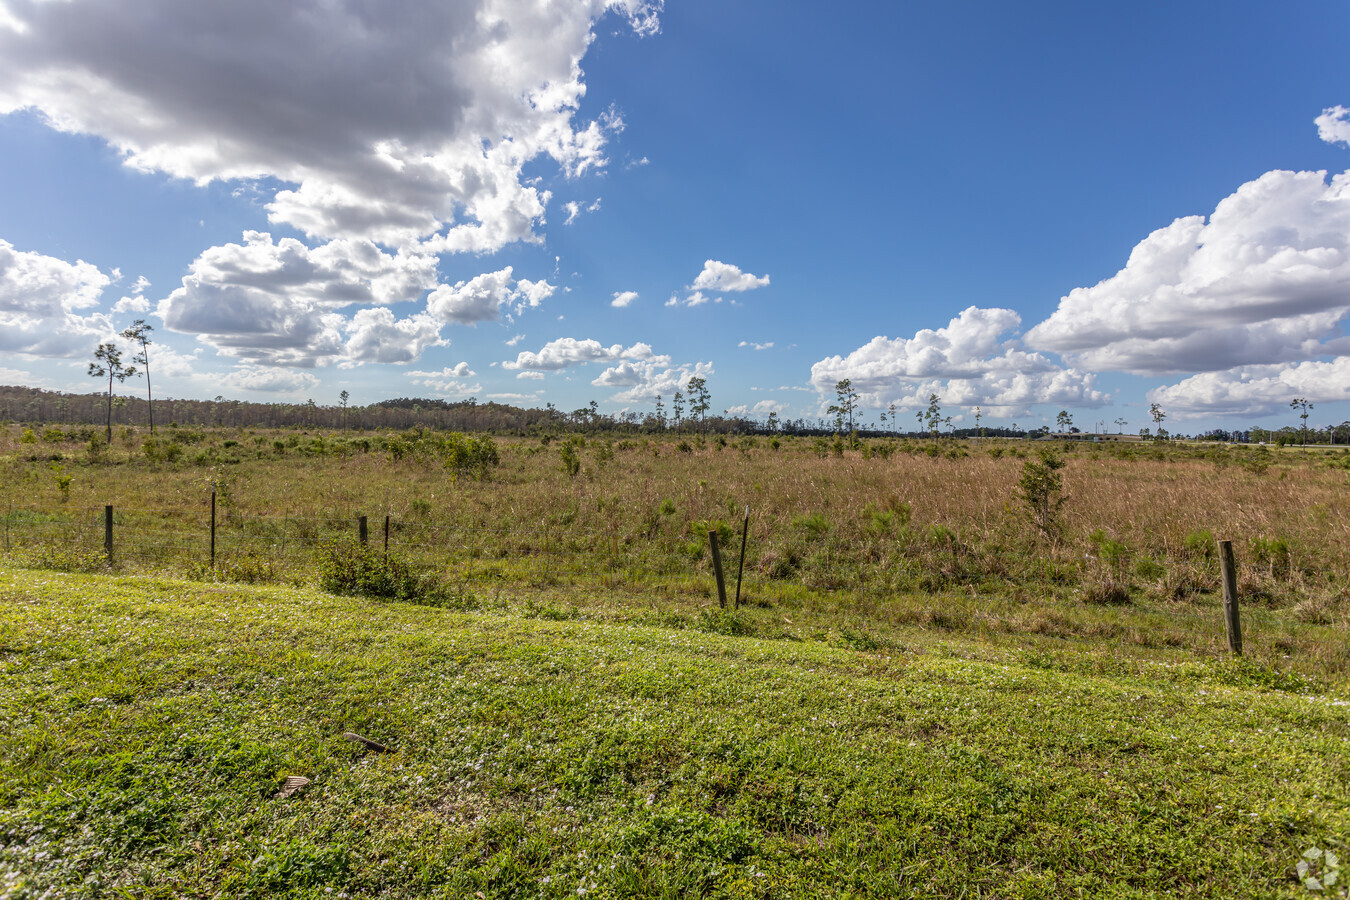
point(1039, 487)
point(353, 569)
point(468, 454)
point(1272, 553)
point(160, 450)
point(571, 460)
point(461, 454)
point(62, 480)
point(64, 559)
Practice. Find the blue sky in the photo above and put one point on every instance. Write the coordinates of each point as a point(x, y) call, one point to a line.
point(1025, 208)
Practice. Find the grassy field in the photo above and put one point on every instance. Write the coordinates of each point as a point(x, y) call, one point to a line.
point(874, 541)
point(150, 722)
point(926, 693)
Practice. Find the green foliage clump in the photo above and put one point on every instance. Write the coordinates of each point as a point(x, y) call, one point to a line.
point(472, 455)
point(460, 454)
point(1199, 543)
point(571, 459)
point(353, 569)
point(64, 559)
point(1039, 488)
point(62, 480)
point(814, 526)
point(161, 450)
point(700, 529)
point(1272, 553)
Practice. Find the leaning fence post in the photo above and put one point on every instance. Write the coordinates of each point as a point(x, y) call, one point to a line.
point(740, 569)
point(362, 533)
point(213, 528)
point(108, 532)
point(1231, 617)
point(717, 569)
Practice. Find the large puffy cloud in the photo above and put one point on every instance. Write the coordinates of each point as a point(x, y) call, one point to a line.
point(279, 302)
point(40, 299)
point(484, 297)
point(376, 336)
point(969, 362)
point(564, 352)
point(1266, 280)
point(398, 124)
point(1256, 390)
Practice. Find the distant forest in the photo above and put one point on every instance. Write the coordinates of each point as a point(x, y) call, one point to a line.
point(38, 406)
point(35, 406)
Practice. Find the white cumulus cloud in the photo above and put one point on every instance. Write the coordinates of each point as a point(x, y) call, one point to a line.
point(973, 360)
point(717, 277)
point(1266, 280)
point(720, 276)
point(1333, 125)
point(486, 297)
point(1256, 390)
point(623, 298)
point(269, 380)
point(40, 300)
point(397, 124)
point(564, 352)
point(280, 302)
point(374, 335)
point(642, 380)
point(449, 381)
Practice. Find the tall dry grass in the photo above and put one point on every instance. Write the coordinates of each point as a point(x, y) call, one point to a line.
point(875, 531)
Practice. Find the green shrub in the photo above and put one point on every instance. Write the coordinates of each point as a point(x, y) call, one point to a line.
point(62, 480)
point(64, 559)
point(814, 526)
point(248, 568)
point(354, 569)
point(571, 460)
point(1149, 568)
point(725, 533)
point(469, 455)
point(1039, 488)
point(1272, 553)
point(1199, 543)
point(160, 450)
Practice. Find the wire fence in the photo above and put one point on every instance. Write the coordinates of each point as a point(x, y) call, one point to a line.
point(618, 557)
point(280, 547)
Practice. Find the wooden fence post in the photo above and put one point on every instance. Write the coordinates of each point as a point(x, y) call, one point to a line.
point(1231, 617)
point(361, 531)
point(213, 528)
point(108, 532)
point(386, 535)
point(740, 569)
point(717, 569)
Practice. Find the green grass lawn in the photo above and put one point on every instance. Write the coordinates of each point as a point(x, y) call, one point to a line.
point(148, 724)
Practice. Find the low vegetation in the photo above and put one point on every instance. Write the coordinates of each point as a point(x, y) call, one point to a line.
point(152, 724)
point(960, 668)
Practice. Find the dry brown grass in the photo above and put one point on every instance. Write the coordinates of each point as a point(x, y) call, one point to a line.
point(868, 536)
